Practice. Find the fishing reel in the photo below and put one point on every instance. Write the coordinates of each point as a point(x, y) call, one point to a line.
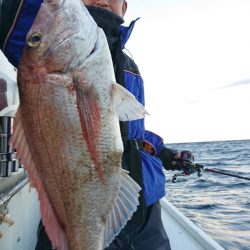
point(187, 165)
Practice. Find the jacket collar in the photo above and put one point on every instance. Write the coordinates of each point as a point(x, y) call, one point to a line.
point(112, 26)
point(126, 32)
point(110, 23)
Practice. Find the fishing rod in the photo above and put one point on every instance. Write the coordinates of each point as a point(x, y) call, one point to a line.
point(188, 166)
point(224, 173)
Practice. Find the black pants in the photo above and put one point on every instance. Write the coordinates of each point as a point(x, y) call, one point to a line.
point(43, 242)
point(149, 236)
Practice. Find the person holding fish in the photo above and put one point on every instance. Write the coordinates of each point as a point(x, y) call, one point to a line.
point(23, 36)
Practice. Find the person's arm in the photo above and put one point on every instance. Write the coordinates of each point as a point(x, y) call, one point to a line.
point(154, 144)
point(16, 18)
point(169, 158)
point(8, 12)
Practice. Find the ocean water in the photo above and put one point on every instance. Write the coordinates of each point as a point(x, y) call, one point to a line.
point(218, 204)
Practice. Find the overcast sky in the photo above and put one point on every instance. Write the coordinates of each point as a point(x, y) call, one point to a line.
point(194, 57)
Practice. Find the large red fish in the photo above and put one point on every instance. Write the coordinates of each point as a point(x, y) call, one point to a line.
point(67, 128)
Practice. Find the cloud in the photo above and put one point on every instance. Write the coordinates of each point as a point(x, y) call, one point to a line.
point(236, 84)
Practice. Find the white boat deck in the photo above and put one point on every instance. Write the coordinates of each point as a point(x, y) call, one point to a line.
point(23, 208)
point(184, 234)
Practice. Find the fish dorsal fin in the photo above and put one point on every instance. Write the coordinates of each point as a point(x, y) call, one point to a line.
point(124, 206)
point(126, 105)
point(49, 217)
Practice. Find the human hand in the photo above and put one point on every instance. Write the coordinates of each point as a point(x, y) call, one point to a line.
point(176, 160)
point(187, 162)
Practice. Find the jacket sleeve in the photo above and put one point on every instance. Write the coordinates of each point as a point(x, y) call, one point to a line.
point(16, 19)
point(8, 11)
point(166, 155)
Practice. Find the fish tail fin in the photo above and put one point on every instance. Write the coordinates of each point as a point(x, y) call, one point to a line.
point(124, 206)
point(49, 217)
point(127, 107)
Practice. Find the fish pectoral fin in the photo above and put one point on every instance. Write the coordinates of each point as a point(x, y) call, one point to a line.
point(124, 206)
point(126, 105)
point(90, 118)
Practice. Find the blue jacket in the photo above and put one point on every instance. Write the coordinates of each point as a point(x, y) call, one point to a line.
point(152, 168)
point(16, 18)
point(12, 42)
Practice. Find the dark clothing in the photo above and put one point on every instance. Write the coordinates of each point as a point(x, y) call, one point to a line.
point(167, 156)
point(149, 236)
point(16, 19)
point(8, 12)
point(132, 162)
point(43, 242)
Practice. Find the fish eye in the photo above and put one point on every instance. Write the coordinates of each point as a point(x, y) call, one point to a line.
point(34, 40)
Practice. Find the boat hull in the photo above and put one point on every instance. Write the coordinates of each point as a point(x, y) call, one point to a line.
point(182, 233)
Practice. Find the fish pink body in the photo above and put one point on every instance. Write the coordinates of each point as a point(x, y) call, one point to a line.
point(67, 128)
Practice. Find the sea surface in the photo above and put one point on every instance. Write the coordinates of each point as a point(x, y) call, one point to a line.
point(218, 204)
